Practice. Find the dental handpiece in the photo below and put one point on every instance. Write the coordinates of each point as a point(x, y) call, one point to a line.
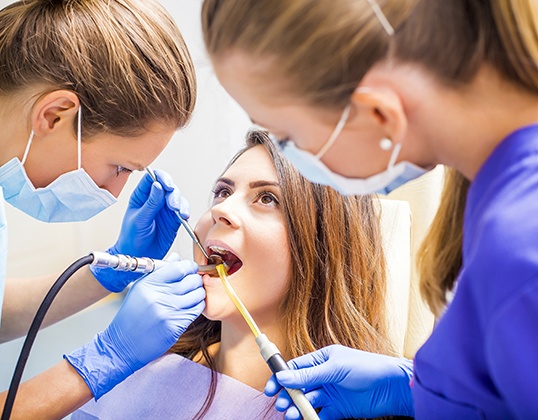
point(142, 265)
point(181, 220)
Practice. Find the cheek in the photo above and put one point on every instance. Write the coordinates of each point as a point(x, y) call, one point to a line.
point(271, 268)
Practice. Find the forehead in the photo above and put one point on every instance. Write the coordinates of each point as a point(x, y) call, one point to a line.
point(254, 164)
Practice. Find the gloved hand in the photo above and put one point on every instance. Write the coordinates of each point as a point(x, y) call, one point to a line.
point(149, 227)
point(346, 383)
point(154, 314)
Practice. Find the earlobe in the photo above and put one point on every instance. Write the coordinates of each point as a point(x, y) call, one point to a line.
point(54, 111)
point(385, 108)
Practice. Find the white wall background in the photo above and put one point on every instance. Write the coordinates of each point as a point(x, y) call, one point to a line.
point(195, 157)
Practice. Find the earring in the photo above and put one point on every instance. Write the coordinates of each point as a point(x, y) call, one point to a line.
point(385, 143)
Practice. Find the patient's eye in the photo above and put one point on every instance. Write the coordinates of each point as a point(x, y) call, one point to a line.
point(267, 198)
point(221, 192)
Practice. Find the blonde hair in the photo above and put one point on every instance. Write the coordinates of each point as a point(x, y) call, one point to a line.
point(125, 59)
point(322, 49)
point(337, 286)
point(440, 255)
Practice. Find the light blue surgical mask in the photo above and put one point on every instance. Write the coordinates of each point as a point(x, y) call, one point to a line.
point(312, 168)
point(72, 197)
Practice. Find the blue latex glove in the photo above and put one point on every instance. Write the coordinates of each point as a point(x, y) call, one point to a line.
point(154, 314)
point(149, 227)
point(346, 383)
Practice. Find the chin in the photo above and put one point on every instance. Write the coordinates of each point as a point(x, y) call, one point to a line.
point(216, 309)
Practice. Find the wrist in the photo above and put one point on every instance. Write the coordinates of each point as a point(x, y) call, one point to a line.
point(406, 405)
point(100, 365)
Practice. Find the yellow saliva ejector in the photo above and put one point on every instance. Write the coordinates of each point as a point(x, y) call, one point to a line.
point(268, 350)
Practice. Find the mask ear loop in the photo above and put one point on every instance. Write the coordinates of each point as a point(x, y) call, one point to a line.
point(28, 147)
point(79, 137)
point(394, 155)
point(336, 132)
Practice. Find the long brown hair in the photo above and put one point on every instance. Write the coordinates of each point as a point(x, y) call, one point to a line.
point(125, 59)
point(337, 286)
point(321, 50)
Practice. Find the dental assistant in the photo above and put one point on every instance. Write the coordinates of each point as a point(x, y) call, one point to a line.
point(365, 96)
point(89, 92)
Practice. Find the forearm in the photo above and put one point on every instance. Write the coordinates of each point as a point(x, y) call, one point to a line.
point(23, 297)
point(52, 394)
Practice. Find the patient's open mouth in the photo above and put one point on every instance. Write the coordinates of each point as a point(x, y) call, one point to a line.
point(230, 259)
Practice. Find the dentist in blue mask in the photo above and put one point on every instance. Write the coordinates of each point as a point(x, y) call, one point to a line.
point(365, 95)
point(96, 92)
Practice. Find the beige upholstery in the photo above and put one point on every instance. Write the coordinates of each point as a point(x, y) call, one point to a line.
point(409, 211)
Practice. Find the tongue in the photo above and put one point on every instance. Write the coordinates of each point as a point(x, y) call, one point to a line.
point(232, 262)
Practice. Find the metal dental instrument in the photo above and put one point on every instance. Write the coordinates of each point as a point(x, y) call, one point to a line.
point(183, 221)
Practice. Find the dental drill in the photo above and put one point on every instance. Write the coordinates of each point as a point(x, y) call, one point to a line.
point(142, 265)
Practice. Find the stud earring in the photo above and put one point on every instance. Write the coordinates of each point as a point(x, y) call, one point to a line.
point(385, 143)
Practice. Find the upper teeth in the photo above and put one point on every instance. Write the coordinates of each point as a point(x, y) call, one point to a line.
point(218, 249)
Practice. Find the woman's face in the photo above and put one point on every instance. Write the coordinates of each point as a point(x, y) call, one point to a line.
point(108, 159)
point(246, 226)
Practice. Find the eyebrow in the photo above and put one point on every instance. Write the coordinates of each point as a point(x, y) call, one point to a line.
point(254, 184)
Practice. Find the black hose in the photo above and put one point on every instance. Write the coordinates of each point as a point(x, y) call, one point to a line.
point(34, 328)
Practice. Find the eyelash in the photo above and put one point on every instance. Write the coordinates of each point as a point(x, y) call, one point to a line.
point(121, 169)
point(219, 189)
point(270, 194)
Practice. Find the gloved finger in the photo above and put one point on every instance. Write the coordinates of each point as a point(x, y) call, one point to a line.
point(189, 300)
point(186, 285)
point(165, 179)
point(272, 387)
point(173, 195)
point(306, 377)
point(317, 397)
point(141, 192)
point(283, 401)
point(173, 256)
point(310, 359)
point(154, 202)
point(293, 414)
point(176, 202)
point(174, 272)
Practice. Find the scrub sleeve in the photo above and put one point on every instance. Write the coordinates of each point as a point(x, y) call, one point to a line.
point(3, 249)
point(480, 361)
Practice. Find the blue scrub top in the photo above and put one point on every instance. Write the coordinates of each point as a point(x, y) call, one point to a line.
point(482, 358)
point(3, 249)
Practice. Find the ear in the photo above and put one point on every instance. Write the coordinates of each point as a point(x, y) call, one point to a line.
point(386, 109)
point(55, 111)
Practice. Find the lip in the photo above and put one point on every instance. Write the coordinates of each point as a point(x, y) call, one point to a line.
point(220, 244)
point(210, 281)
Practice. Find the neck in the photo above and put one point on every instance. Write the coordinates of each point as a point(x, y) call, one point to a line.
point(238, 355)
point(491, 109)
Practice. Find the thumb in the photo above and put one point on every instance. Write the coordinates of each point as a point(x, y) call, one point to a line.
point(174, 256)
point(154, 203)
point(305, 378)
